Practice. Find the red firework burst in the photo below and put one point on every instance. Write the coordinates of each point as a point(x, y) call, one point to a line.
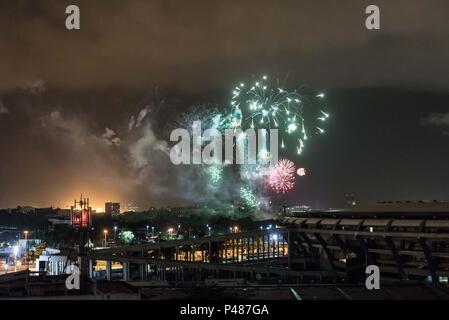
point(281, 177)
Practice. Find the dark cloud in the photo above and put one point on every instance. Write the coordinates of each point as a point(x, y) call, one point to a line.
point(437, 120)
point(3, 108)
point(202, 45)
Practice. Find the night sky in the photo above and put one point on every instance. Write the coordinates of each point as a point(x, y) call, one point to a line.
point(89, 110)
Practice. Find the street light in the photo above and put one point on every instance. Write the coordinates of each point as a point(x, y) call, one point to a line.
point(152, 230)
point(6, 265)
point(16, 251)
point(209, 227)
point(26, 249)
point(170, 231)
point(147, 230)
point(105, 237)
point(115, 234)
